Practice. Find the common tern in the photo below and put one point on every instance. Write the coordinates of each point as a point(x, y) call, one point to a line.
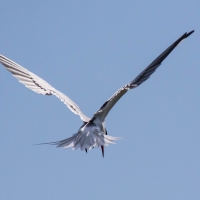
point(93, 133)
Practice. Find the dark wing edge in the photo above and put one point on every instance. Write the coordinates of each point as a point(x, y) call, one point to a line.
point(38, 85)
point(142, 77)
point(146, 73)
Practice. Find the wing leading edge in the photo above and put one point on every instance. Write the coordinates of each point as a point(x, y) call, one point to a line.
point(142, 77)
point(39, 85)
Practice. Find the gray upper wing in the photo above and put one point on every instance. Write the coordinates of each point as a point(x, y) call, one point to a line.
point(39, 85)
point(142, 77)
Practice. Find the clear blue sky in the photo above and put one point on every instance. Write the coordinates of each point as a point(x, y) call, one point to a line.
point(88, 50)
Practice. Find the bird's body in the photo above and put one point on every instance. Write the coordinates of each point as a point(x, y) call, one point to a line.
point(93, 133)
point(90, 135)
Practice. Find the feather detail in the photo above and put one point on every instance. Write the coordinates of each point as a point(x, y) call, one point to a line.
point(85, 141)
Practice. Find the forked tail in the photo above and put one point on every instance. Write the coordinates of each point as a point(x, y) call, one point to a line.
point(86, 141)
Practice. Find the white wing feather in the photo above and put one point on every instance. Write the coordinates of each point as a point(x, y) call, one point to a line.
point(38, 85)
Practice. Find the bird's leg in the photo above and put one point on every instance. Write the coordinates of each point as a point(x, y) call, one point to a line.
point(102, 149)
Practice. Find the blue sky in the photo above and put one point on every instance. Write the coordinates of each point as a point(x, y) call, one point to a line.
point(88, 50)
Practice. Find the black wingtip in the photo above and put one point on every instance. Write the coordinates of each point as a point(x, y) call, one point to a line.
point(188, 34)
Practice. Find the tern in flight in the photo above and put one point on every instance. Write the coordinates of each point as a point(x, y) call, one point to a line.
point(92, 134)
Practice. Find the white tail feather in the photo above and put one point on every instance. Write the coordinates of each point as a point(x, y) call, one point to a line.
point(86, 141)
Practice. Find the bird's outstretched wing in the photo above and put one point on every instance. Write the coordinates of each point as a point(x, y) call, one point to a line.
point(38, 85)
point(143, 76)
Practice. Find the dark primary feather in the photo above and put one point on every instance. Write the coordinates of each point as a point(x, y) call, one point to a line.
point(142, 77)
point(146, 73)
